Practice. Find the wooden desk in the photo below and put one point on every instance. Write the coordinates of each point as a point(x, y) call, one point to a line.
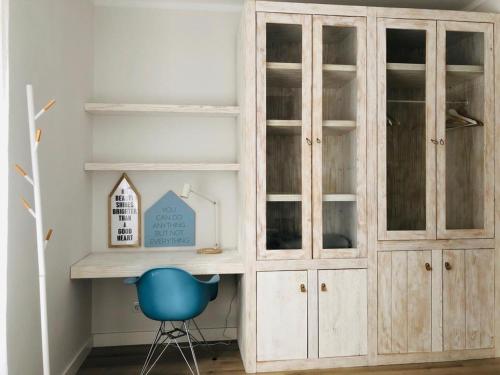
point(120, 263)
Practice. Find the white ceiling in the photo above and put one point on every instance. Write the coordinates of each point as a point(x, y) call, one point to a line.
point(424, 4)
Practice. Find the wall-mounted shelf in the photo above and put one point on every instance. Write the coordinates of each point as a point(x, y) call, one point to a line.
point(162, 167)
point(123, 109)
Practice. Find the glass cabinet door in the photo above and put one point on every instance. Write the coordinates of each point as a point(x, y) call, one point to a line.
point(284, 136)
point(406, 129)
point(465, 130)
point(339, 136)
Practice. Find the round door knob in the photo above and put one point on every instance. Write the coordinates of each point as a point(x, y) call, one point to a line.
point(428, 267)
point(323, 287)
point(447, 265)
point(303, 288)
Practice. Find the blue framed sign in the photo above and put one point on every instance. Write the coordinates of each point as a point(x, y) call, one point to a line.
point(170, 222)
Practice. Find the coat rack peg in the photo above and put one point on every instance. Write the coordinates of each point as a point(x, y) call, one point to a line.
point(23, 173)
point(47, 238)
point(47, 108)
point(38, 135)
point(28, 207)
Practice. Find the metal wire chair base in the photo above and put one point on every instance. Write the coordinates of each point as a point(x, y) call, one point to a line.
point(165, 338)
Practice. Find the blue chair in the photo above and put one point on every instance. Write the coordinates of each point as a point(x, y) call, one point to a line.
point(172, 295)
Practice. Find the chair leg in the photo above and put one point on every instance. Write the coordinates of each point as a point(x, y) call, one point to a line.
point(156, 343)
point(192, 349)
point(204, 341)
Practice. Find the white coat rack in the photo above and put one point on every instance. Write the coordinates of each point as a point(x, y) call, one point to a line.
point(41, 238)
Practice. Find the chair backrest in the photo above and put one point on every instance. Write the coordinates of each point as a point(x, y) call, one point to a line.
point(172, 294)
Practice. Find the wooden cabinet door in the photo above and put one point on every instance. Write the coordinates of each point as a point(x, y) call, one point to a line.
point(281, 315)
point(406, 129)
point(342, 313)
point(465, 149)
point(339, 137)
point(404, 302)
point(468, 299)
point(284, 141)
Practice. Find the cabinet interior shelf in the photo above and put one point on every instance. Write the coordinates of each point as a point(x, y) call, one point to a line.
point(162, 167)
point(123, 109)
point(290, 74)
point(295, 126)
point(298, 197)
point(413, 75)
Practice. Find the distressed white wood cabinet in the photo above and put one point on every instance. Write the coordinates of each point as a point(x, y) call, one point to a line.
point(370, 143)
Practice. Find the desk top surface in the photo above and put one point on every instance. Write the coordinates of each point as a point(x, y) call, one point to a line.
point(127, 263)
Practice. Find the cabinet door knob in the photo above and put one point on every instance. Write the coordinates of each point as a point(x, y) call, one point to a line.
point(323, 287)
point(441, 141)
point(309, 142)
point(318, 140)
point(303, 288)
point(447, 265)
point(434, 141)
point(428, 267)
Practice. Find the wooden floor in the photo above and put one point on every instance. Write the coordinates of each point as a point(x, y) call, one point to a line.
point(128, 360)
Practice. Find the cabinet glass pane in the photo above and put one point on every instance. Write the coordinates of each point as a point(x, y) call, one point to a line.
point(339, 137)
point(465, 130)
point(406, 130)
point(284, 136)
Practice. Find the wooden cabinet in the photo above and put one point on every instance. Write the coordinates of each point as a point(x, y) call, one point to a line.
point(311, 136)
point(468, 299)
point(411, 286)
point(404, 301)
point(331, 313)
point(435, 162)
point(342, 305)
point(281, 315)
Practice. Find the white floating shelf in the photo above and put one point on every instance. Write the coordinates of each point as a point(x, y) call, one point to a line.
point(122, 109)
point(161, 167)
point(284, 197)
point(339, 197)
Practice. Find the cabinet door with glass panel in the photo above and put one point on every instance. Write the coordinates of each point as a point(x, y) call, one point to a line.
point(339, 136)
point(406, 129)
point(284, 58)
point(465, 130)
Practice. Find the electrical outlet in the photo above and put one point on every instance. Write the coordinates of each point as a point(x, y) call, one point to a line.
point(137, 307)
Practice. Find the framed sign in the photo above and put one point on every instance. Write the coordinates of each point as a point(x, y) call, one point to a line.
point(124, 214)
point(170, 222)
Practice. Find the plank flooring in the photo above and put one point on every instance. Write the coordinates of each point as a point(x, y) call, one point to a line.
point(127, 360)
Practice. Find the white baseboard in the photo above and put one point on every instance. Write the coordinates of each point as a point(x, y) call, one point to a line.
point(146, 337)
point(78, 359)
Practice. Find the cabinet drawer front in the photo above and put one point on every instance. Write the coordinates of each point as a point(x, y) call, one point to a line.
point(281, 315)
point(342, 313)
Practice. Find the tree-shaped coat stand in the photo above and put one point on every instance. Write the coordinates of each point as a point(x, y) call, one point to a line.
point(42, 239)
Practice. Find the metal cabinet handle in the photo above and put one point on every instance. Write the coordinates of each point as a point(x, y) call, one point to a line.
point(441, 141)
point(447, 265)
point(428, 267)
point(318, 140)
point(303, 288)
point(323, 287)
point(309, 142)
point(434, 141)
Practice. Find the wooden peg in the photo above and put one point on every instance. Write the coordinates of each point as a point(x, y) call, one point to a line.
point(38, 135)
point(49, 234)
point(20, 170)
point(26, 204)
point(49, 105)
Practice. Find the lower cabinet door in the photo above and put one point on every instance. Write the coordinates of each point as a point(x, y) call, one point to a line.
point(468, 299)
point(404, 301)
point(281, 315)
point(342, 312)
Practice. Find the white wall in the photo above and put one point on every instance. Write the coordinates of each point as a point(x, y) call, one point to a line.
point(51, 47)
point(488, 6)
point(176, 54)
